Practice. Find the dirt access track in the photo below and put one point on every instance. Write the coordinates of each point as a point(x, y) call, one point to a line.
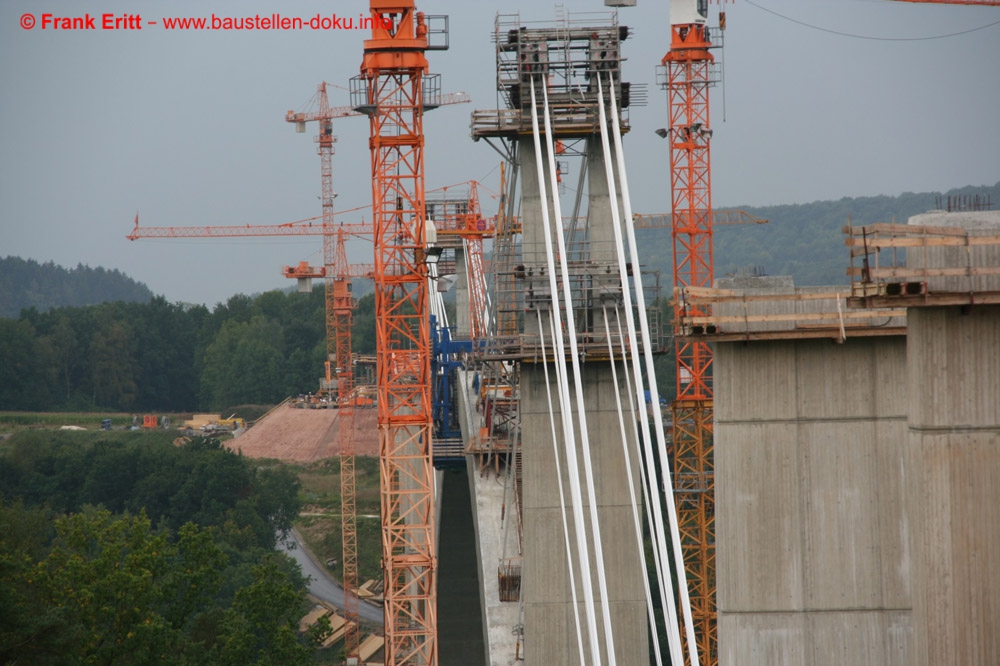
point(306, 435)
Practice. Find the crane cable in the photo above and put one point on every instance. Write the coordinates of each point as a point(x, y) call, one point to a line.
point(569, 439)
point(559, 484)
point(628, 475)
point(654, 393)
point(581, 411)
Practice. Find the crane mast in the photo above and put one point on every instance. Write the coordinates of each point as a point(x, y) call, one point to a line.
point(392, 90)
point(688, 78)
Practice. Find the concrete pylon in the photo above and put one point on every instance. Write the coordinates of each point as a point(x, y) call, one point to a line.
point(549, 628)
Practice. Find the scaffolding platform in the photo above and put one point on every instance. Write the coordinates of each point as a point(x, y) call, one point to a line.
point(747, 309)
point(567, 58)
point(915, 265)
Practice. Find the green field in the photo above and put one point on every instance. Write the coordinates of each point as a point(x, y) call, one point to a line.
point(320, 521)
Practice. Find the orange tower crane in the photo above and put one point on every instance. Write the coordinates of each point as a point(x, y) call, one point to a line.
point(339, 312)
point(340, 306)
point(688, 77)
point(394, 91)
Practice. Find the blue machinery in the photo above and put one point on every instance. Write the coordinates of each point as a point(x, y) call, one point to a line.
point(447, 356)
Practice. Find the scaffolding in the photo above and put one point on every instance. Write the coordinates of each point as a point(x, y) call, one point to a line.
point(569, 55)
point(909, 265)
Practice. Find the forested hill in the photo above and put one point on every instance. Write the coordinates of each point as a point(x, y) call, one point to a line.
point(25, 283)
point(803, 240)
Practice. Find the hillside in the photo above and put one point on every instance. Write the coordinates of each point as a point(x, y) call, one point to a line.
point(801, 240)
point(25, 283)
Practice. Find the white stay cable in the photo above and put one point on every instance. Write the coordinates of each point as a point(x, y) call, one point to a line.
point(650, 495)
point(581, 411)
point(654, 395)
point(659, 533)
point(569, 437)
point(631, 484)
point(562, 497)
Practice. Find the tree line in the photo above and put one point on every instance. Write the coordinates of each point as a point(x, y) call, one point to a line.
point(159, 356)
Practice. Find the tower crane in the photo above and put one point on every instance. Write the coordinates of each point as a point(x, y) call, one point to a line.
point(340, 306)
point(688, 67)
point(306, 227)
point(339, 310)
point(394, 89)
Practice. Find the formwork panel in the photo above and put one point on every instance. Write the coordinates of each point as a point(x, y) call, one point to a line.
point(955, 499)
point(889, 362)
point(954, 366)
point(755, 382)
point(546, 578)
point(840, 514)
point(775, 639)
point(834, 380)
point(552, 639)
point(898, 638)
point(758, 520)
point(893, 515)
point(854, 637)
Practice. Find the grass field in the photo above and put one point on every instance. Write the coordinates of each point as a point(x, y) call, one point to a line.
point(320, 522)
point(89, 420)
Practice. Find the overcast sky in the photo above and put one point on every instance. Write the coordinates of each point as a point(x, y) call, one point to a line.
point(188, 127)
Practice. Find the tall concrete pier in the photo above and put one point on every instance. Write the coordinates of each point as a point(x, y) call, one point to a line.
point(953, 443)
point(550, 634)
point(858, 483)
point(812, 539)
point(565, 62)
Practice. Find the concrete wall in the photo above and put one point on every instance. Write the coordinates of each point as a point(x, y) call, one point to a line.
point(812, 539)
point(488, 496)
point(550, 635)
point(953, 483)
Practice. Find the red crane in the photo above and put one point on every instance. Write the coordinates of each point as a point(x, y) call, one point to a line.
point(688, 68)
point(339, 314)
point(394, 91)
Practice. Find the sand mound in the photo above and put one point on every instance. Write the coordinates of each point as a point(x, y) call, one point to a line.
point(306, 435)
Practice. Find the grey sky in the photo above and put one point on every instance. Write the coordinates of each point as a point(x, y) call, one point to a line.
point(188, 127)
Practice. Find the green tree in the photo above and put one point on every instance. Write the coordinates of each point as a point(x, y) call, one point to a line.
point(261, 627)
point(95, 588)
point(26, 371)
point(244, 364)
point(113, 366)
point(111, 591)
